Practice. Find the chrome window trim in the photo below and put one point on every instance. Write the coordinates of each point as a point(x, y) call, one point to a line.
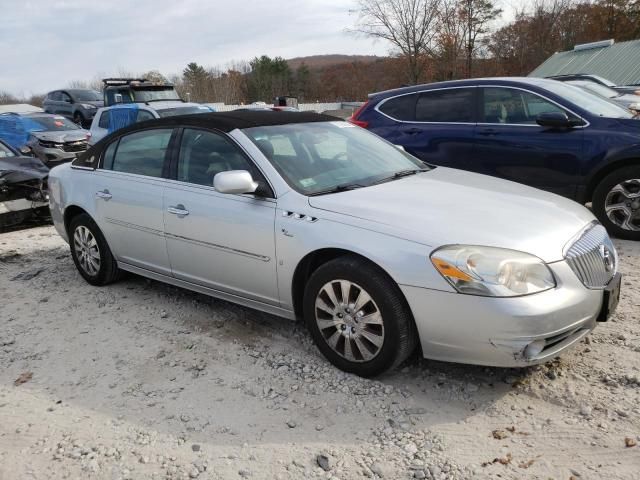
point(376, 108)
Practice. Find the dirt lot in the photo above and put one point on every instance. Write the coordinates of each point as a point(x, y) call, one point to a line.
point(141, 380)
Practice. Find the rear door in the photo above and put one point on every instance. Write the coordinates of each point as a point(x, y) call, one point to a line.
point(511, 145)
point(129, 189)
point(436, 126)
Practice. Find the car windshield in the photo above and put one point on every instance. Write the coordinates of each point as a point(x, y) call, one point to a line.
point(54, 123)
point(87, 96)
point(155, 94)
point(327, 157)
point(588, 101)
point(172, 112)
point(5, 152)
point(599, 89)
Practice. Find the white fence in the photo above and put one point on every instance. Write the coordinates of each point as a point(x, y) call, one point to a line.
point(304, 107)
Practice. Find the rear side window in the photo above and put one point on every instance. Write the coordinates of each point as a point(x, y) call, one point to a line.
point(142, 153)
point(400, 108)
point(454, 105)
point(104, 120)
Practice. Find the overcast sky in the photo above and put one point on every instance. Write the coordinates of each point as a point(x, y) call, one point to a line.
point(44, 44)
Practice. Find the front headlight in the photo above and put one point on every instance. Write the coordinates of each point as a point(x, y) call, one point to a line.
point(88, 106)
point(491, 271)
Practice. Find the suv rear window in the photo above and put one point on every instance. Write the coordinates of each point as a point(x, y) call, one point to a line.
point(452, 105)
point(401, 108)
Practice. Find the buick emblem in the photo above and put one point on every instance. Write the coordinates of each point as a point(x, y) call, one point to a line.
point(608, 258)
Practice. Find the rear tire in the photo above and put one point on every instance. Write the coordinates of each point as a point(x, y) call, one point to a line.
point(616, 202)
point(368, 332)
point(90, 251)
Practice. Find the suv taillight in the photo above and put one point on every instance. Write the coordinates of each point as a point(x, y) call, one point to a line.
point(354, 118)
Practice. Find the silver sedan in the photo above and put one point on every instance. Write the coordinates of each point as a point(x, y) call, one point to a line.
point(303, 216)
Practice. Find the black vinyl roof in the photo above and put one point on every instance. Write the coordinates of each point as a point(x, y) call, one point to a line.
point(228, 121)
point(223, 121)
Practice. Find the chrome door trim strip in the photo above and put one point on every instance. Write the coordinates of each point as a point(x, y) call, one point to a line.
point(193, 241)
point(214, 246)
point(133, 226)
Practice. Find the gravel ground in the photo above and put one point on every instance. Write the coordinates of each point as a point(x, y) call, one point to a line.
point(142, 380)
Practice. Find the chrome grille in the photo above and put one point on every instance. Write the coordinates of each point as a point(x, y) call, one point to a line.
point(593, 258)
point(79, 146)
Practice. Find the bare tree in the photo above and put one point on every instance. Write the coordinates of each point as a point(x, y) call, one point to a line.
point(409, 25)
point(477, 15)
point(450, 39)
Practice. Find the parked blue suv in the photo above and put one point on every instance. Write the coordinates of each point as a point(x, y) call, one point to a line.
point(539, 132)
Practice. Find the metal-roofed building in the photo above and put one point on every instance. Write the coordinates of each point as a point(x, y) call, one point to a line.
point(618, 62)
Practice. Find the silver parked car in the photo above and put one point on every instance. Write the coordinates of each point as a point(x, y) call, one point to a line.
point(627, 100)
point(303, 216)
point(77, 104)
point(55, 139)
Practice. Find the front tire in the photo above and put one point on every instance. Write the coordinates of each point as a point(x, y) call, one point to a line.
point(616, 202)
point(358, 317)
point(90, 251)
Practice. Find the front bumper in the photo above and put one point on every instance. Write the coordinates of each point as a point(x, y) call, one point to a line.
point(496, 331)
point(52, 157)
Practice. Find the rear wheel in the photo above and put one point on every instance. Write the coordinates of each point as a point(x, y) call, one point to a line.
point(616, 202)
point(358, 317)
point(90, 251)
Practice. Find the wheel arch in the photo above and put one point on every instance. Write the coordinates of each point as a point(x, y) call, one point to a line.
point(311, 262)
point(70, 213)
point(600, 174)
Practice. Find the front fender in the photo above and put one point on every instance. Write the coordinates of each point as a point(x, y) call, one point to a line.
point(406, 262)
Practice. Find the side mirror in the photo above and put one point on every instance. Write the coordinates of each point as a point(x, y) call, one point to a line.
point(554, 120)
point(25, 150)
point(234, 181)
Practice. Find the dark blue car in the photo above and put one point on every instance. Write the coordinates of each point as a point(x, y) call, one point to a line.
point(539, 132)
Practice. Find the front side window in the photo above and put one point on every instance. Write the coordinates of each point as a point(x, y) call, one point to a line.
point(5, 152)
point(453, 105)
point(515, 107)
point(144, 115)
point(314, 158)
point(142, 153)
point(204, 154)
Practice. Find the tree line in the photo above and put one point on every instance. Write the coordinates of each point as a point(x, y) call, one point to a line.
point(430, 40)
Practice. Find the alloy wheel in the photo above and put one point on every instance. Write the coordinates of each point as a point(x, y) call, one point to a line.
point(622, 205)
point(87, 250)
point(349, 320)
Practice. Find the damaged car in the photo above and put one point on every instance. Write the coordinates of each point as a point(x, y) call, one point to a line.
point(23, 187)
point(52, 138)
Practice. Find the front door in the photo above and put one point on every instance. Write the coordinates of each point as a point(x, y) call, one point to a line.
point(220, 241)
point(511, 145)
point(128, 196)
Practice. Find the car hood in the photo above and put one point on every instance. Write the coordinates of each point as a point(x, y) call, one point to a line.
point(61, 136)
point(447, 206)
point(21, 169)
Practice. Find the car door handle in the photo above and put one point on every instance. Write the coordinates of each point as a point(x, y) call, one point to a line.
point(487, 132)
point(412, 130)
point(178, 210)
point(104, 194)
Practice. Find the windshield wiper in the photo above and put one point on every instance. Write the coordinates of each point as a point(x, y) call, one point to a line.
point(400, 174)
point(337, 189)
